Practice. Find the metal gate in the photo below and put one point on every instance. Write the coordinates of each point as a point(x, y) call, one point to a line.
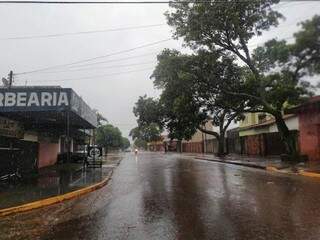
point(17, 157)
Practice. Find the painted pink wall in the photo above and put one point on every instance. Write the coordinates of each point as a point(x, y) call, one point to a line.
point(309, 126)
point(48, 154)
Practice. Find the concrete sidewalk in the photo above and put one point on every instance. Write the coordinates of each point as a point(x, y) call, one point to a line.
point(54, 181)
point(247, 161)
point(310, 169)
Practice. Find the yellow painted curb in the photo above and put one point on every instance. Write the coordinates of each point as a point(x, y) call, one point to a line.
point(309, 174)
point(272, 169)
point(54, 200)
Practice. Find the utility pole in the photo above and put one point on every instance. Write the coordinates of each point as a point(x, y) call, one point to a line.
point(8, 82)
point(10, 79)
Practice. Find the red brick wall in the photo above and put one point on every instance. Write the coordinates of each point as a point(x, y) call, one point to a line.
point(309, 126)
point(48, 154)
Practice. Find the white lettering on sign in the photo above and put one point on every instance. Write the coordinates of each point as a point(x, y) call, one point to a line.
point(46, 99)
point(33, 99)
point(63, 99)
point(10, 99)
point(21, 99)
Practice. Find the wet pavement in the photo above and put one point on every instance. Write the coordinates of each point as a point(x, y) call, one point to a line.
point(53, 181)
point(157, 196)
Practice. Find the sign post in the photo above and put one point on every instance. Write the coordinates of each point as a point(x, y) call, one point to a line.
point(95, 153)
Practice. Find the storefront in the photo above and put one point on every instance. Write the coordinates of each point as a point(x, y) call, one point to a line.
point(39, 123)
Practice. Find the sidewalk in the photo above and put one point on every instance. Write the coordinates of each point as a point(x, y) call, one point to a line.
point(247, 161)
point(54, 181)
point(310, 169)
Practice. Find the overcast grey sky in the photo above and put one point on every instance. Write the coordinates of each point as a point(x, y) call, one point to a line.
point(112, 94)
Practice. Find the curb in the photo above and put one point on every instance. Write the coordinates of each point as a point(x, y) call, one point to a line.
point(272, 169)
point(299, 173)
point(233, 163)
point(267, 168)
point(55, 199)
point(309, 174)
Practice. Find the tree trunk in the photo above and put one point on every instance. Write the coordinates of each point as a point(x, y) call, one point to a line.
point(179, 146)
point(221, 144)
point(286, 136)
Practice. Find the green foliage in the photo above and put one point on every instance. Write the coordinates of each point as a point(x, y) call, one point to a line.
point(148, 132)
point(227, 25)
point(110, 137)
point(147, 111)
point(125, 143)
point(149, 119)
point(273, 75)
point(191, 91)
point(139, 143)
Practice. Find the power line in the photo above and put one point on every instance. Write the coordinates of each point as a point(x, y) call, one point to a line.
point(82, 32)
point(107, 67)
point(94, 58)
point(115, 60)
point(122, 2)
point(94, 76)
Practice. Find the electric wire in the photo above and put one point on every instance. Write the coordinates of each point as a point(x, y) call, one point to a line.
point(94, 58)
point(98, 68)
point(95, 76)
point(108, 67)
point(115, 60)
point(81, 32)
point(122, 2)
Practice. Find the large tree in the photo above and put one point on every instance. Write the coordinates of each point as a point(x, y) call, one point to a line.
point(191, 95)
point(228, 26)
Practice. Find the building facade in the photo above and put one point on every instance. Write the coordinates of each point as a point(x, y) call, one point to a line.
point(259, 135)
point(309, 127)
point(39, 124)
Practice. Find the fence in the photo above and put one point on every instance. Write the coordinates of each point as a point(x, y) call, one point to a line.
point(255, 145)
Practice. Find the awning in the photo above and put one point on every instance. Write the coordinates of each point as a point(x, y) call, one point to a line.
point(46, 106)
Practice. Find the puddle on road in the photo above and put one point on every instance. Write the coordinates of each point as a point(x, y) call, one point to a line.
point(50, 184)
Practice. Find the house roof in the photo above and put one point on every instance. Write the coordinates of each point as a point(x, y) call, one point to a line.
point(266, 123)
point(311, 102)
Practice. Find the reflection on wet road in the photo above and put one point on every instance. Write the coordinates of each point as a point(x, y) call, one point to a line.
point(157, 196)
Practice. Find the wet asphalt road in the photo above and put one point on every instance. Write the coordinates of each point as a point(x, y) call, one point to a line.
point(157, 196)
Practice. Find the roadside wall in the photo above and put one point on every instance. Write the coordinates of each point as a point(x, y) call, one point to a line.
point(48, 154)
point(194, 147)
point(309, 124)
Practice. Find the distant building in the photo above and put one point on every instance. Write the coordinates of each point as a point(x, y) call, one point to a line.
point(156, 146)
point(200, 142)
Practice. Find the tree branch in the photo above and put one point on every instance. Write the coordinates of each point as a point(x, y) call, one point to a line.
point(229, 121)
point(209, 132)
